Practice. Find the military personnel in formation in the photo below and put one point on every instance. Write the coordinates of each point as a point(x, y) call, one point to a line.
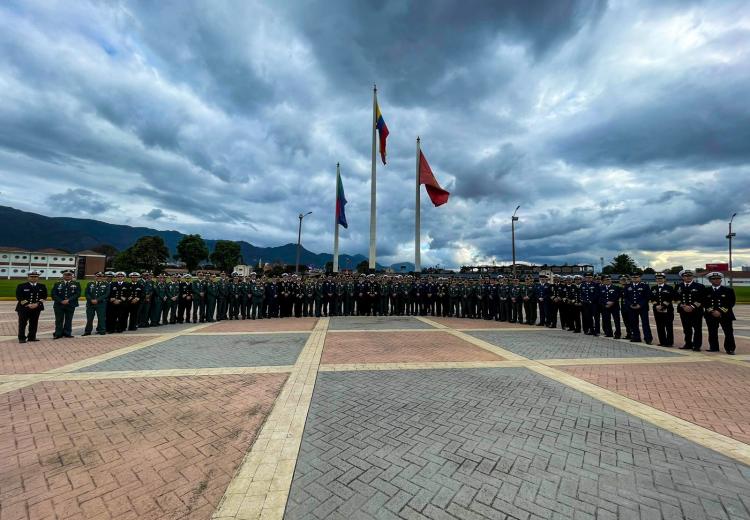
point(624, 282)
point(185, 301)
point(222, 297)
point(637, 298)
point(158, 300)
point(690, 296)
point(173, 300)
point(271, 300)
point(540, 288)
point(97, 296)
point(110, 312)
point(608, 299)
point(65, 295)
point(144, 311)
point(719, 305)
point(530, 301)
point(663, 296)
point(119, 292)
point(134, 299)
point(257, 292)
point(589, 306)
point(212, 296)
point(30, 297)
point(199, 298)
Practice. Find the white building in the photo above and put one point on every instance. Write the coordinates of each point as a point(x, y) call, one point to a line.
point(17, 262)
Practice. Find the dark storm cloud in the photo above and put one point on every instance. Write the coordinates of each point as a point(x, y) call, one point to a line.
point(616, 127)
point(79, 201)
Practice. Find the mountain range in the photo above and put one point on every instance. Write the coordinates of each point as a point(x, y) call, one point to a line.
point(33, 231)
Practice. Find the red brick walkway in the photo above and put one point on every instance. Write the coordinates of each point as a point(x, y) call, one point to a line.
point(16, 358)
point(129, 448)
point(712, 395)
point(400, 347)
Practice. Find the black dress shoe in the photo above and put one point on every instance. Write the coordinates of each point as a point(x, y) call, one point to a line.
point(22, 341)
point(686, 347)
point(633, 340)
point(86, 334)
point(102, 333)
point(730, 353)
point(32, 339)
point(713, 350)
point(696, 349)
point(648, 342)
point(617, 336)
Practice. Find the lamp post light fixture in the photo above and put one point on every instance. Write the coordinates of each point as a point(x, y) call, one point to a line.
point(513, 237)
point(299, 239)
point(729, 237)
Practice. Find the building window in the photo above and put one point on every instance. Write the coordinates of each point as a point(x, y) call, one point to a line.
point(17, 257)
point(15, 270)
point(36, 258)
point(24, 257)
point(55, 259)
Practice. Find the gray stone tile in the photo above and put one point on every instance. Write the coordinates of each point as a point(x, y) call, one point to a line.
point(497, 443)
point(558, 344)
point(210, 352)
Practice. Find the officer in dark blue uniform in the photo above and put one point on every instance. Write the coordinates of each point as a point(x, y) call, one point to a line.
point(589, 302)
point(541, 299)
point(690, 295)
point(663, 296)
point(637, 297)
point(30, 296)
point(719, 303)
point(608, 298)
point(119, 292)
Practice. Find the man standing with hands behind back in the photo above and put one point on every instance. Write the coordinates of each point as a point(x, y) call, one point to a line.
point(30, 296)
point(720, 300)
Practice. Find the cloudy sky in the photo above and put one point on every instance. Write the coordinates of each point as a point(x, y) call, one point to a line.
point(618, 127)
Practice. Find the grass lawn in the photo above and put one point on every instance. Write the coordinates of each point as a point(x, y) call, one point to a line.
point(8, 287)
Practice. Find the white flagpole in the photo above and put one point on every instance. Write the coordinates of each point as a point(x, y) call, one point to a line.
point(417, 209)
point(336, 225)
point(372, 180)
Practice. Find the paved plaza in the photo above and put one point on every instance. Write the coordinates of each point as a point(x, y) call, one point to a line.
point(386, 418)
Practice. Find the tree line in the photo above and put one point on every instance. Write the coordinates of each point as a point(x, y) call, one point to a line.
point(150, 253)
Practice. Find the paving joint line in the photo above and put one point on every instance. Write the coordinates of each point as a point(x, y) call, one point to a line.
point(260, 487)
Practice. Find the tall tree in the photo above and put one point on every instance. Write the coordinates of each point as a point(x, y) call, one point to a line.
point(226, 255)
point(624, 264)
point(363, 266)
point(149, 253)
point(192, 250)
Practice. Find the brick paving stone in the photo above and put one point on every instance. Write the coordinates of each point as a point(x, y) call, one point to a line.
point(190, 351)
point(400, 347)
point(376, 323)
point(497, 443)
point(547, 344)
point(128, 448)
point(712, 395)
point(46, 354)
point(265, 325)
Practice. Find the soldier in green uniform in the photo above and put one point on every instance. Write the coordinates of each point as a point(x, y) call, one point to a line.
point(173, 300)
point(97, 295)
point(65, 294)
point(454, 295)
point(384, 291)
point(199, 298)
point(340, 296)
point(158, 299)
point(318, 297)
point(144, 312)
point(257, 291)
point(222, 301)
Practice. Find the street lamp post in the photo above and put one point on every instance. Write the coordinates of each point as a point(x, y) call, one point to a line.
point(513, 237)
point(729, 237)
point(299, 239)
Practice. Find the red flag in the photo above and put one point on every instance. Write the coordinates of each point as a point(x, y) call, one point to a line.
point(438, 195)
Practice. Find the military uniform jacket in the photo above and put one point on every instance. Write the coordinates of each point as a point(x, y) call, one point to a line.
point(212, 289)
point(148, 289)
point(173, 289)
point(66, 291)
point(573, 294)
point(186, 289)
point(272, 291)
point(98, 291)
point(26, 294)
point(135, 291)
point(160, 291)
point(119, 291)
point(663, 295)
point(722, 299)
point(257, 290)
point(637, 294)
point(199, 286)
point(692, 294)
point(608, 293)
point(588, 292)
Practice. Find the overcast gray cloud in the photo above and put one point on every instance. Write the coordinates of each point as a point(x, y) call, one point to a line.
point(617, 126)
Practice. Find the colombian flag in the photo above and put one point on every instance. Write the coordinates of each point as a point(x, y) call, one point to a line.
point(382, 130)
point(340, 202)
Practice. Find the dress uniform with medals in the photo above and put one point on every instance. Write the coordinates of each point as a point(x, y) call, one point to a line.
point(608, 296)
point(719, 303)
point(30, 296)
point(637, 297)
point(690, 295)
point(134, 299)
point(663, 297)
point(97, 296)
point(65, 294)
point(118, 295)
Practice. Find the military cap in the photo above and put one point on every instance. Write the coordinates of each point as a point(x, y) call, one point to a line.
point(660, 275)
point(543, 276)
point(186, 275)
point(687, 272)
point(135, 274)
point(251, 274)
point(99, 274)
point(714, 275)
point(284, 275)
point(34, 273)
point(109, 273)
point(588, 274)
point(577, 277)
point(67, 271)
point(624, 277)
point(500, 277)
point(606, 277)
point(120, 273)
